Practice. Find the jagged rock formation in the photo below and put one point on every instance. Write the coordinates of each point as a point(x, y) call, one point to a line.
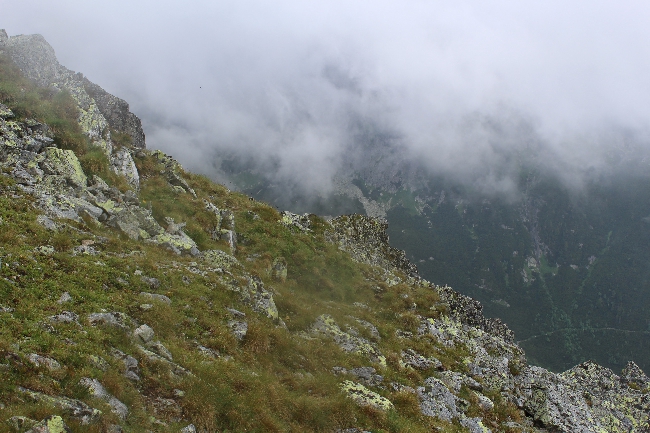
point(37, 60)
point(366, 240)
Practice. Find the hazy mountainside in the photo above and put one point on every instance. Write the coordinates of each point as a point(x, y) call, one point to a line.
point(135, 296)
point(564, 263)
point(568, 272)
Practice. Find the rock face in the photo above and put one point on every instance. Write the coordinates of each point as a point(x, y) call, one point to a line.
point(37, 60)
point(55, 177)
point(117, 114)
point(587, 398)
point(366, 240)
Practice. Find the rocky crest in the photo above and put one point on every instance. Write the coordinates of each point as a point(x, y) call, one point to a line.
point(37, 60)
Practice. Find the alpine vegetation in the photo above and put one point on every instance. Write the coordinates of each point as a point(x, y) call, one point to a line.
point(138, 297)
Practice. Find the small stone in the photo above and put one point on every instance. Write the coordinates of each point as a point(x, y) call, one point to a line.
point(364, 397)
point(64, 317)
point(279, 269)
point(413, 359)
point(484, 402)
point(98, 362)
point(146, 307)
point(189, 429)
point(44, 361)
point(115, 319)
point(236, 313)
point(210, 353)
point(160, 349)
point(65, 297)
point(156, 297)
point(131, 375)
point(154, 283)
point(20, 423)
point(84, 250)
point(144, 333)
point(46, 250)
point(239, 328)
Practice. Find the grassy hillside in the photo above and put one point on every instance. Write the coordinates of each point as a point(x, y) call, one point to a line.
point(236, 317)
point(279, 377)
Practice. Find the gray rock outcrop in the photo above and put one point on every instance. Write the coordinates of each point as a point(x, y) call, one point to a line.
point(37, 60)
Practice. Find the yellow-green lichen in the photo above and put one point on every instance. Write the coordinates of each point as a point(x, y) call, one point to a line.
point(365, 397)
point(109, 206)
point(65, 163)
point(56, 425)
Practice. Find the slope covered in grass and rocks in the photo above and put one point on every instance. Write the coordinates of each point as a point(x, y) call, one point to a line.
point(136, 297)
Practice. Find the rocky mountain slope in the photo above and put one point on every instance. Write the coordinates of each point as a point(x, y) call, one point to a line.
point(565, 266)
point(135, 296)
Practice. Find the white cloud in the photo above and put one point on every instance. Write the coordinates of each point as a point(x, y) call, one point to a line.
point(465, 85)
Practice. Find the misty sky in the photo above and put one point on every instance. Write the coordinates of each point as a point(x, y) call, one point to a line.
point(463, 84)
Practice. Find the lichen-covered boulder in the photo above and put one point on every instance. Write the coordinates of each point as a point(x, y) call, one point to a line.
point(223, 227)
point(143, 334)
point(586, 398)
point(114, 319)
point(437, 400)
point(326, 325)
point(173, 172)
point(365, 397)
point(261, 299)
point(55, 161)
point(122, 163)
point(5, 112)
point(634, 377)
point(180, 243)
point(292, 220)
point(97, 390)
point(220, 259)
point(366, 240)
point(75, 408)
point(44, 361)
point(413, 359)
point(279, 269)
point(136, 222)
point(239, 328)
point(51, 424)
point(470, 312)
